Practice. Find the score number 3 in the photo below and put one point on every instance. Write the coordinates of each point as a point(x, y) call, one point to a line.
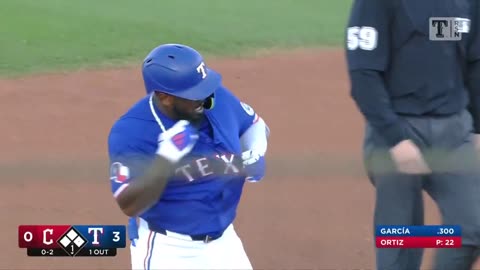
point(116, 236)
point(365, 38)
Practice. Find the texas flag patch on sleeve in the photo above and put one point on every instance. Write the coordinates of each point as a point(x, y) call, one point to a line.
point(119, 173)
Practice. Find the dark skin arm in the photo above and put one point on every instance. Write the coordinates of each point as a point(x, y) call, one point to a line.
point(144, 191)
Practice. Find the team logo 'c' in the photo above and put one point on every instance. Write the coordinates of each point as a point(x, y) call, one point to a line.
point(119, 173)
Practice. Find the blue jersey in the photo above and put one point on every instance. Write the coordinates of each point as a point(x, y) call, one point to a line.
point(203, 194)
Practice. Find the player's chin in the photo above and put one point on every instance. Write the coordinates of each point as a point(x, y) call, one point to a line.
point(197, 117)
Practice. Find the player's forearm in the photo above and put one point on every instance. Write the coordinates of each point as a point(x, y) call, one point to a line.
point(143, 192)
point(373, 101)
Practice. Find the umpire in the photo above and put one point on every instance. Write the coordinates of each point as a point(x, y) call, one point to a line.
point(416, 81)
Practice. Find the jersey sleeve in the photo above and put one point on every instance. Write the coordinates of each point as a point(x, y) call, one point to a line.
point(367, 50)
point(247, 116)
point(244, 114)
point(127, 161)
point(368, 35)
point(474, 46)
point(473, 68)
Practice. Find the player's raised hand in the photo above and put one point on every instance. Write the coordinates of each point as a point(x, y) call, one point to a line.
point(178, 141)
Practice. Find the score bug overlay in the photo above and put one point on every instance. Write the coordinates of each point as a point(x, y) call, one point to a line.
point(72, 240)
point(428, 236)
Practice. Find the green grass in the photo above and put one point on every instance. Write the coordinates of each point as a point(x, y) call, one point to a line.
point(46, 35)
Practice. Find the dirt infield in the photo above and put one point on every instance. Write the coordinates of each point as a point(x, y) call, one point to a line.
point(313, 210)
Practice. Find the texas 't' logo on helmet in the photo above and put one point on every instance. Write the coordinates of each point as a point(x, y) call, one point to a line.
point(119, 173)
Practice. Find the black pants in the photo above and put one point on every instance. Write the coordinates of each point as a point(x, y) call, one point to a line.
point(454, 185)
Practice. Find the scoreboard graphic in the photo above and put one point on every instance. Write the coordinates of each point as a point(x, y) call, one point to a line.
point(72, 240)
point(428, 236)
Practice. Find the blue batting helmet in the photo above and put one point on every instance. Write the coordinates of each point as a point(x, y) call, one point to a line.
point(180, 71)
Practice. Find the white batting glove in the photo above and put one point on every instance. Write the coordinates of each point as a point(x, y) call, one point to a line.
point(250, 156)
point(178, 141)
point(254, 165)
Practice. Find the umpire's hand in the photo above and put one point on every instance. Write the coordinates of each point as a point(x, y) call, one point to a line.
point(408, 158)
point(476, 141)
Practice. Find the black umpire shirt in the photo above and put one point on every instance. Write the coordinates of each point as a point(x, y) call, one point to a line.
point(396, 69)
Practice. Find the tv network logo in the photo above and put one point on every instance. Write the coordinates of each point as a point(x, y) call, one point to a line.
point(448, 28)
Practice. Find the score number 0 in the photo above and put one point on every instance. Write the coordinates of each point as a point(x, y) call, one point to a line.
point(29, 235)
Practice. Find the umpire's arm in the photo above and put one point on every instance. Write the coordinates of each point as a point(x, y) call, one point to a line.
point(367, 52)
point(473, 69)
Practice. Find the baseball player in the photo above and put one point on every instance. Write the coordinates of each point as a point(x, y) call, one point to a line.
point(421, 100)
point(179, 159)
